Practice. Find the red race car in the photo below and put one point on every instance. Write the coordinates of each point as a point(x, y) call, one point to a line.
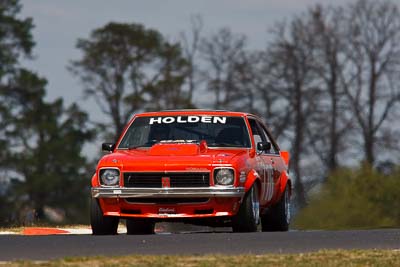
point(214, 168)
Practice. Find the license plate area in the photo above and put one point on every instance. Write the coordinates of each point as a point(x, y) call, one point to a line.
point(166, 211)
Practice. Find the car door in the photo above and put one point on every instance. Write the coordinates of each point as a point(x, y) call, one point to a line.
point(264, 167)
point(273, 161)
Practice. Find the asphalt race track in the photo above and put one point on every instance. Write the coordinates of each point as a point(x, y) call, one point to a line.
point(13, 247)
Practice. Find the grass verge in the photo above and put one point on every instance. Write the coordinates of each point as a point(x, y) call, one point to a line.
point(320, 258)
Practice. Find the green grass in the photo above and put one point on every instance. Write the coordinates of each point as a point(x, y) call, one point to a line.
point(353, 199)
point(321, 258)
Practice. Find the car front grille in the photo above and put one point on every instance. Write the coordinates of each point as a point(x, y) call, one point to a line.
point(176, 179)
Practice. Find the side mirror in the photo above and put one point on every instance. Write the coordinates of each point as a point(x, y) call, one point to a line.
point(108, 147)
point(263, 146)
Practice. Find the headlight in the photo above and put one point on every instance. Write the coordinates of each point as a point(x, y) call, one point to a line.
point(223, 176)
point(109, 177)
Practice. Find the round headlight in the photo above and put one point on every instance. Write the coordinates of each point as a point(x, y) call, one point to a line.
point(224, 177)
point(109, 176)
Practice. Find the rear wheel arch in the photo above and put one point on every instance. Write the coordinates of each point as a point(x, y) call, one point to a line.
point(277, 217)
point(285, 181)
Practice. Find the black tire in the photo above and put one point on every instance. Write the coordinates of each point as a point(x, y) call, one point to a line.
point(102, 225)
point(248, 216)
point(277, 218)
point(139, 227)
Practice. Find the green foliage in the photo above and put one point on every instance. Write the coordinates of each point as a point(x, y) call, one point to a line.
point(44, 143)
point(361, 198)
point(113, 66)
point(166, 92)
point(15, 41)
point(127, 68)
point(15, 36)
point(41, 166)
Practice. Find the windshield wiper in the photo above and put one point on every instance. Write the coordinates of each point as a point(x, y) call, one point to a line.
point(148, 144)
point(134, 147)
point(221, 144)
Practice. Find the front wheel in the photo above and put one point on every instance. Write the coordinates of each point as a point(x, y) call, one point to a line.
point(102, 225)
point(248, 216)
point(277, 218)
point(139, 227)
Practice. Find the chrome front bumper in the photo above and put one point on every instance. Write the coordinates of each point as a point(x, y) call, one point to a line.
point(110, 192)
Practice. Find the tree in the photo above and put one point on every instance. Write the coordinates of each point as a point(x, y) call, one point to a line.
point(16, 41)
point(15, 36)
point(166, 92)
point(248, 81)
point(45, 142)
point(371, 85)
point(190, 47)
point(291, 76)
point(41, 142)
point(122, 68)
point(259, 92)
point(331, 122)
point(221, 53)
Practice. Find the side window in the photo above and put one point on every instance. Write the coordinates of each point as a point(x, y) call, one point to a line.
point(258, 134)
point(261, 135)
point(273, 150)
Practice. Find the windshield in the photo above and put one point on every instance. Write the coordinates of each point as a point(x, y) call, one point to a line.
point(217, 131)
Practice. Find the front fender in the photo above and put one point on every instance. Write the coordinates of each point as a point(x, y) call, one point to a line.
point(95, 181)
point(252, 177)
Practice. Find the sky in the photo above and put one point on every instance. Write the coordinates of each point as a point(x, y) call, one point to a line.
point(59, 23)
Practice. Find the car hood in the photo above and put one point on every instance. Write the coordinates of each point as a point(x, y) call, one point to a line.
point(165, 157)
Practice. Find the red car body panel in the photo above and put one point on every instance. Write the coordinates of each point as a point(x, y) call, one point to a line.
point(268, 171)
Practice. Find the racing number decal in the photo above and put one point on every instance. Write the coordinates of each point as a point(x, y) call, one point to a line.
point(266, 170)
point(270, 181)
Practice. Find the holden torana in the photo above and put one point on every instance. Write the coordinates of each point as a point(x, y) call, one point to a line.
point(214, 168)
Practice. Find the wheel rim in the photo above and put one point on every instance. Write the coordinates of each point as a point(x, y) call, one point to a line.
point(287, 206)
point(256, 205)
